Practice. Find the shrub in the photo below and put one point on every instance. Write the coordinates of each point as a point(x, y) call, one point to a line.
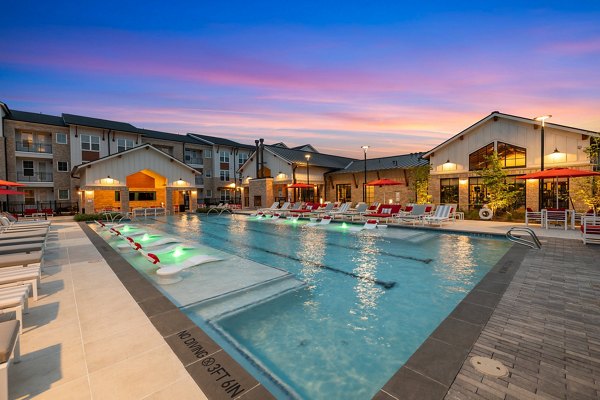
point(88, 217)
point(202, 210)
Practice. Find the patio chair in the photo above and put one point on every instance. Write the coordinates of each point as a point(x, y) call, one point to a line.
point(531, 215)
point(441, 215)
point(590, 230)
point(9, 346)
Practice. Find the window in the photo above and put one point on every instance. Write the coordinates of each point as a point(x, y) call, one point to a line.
point(207, 153)
point(477, 192)
point(225, 195)
point(62, 166)
point(242, 157)
point(142, 196)
point(26, 140)
point(29, 196)
point(124, 144)
point(449, 190)
point(595, 156)
point(27, 168)
point(90, 143)
point(208, 193)
point(63, 194)
point(165, 149)
point(511, 156)
point(61, 138)
point(224, 156)
point(207, 174)
point(224, 175)
point(343, 192)
point(369, 194)
point(117, 195)
point(477, 159)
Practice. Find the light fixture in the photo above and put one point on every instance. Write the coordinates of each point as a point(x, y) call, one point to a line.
point(543, 118)
point(307, 156)
point(365, 148)
point(556, 155)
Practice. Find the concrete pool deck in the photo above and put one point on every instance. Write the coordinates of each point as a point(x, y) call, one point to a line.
point(75, 344)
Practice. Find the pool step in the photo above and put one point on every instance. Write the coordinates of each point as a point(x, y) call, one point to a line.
point(218, 307)
point(420, 237)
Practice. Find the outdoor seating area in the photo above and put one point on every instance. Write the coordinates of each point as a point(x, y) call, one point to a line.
point(22, 246)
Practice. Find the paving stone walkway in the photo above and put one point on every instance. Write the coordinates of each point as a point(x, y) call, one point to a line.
point(545, 330)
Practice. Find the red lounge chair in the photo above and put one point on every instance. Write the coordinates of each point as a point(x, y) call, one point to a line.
point(386, 212)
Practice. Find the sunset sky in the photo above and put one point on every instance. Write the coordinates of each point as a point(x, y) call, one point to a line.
point(399, 77)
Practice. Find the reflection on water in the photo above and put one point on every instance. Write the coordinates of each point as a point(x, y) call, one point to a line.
point(367, 293)
point(311, 250)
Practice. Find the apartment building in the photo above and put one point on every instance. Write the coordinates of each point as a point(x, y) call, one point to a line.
point(41, 151)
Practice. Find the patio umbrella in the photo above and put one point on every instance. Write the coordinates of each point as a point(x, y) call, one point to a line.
point(556, 173)
point(9, 183)
point(384, 182)
point(9, 191)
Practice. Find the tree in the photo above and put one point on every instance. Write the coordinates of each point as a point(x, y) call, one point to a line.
point(500, 195)
point(419, 183)
point(589, 188)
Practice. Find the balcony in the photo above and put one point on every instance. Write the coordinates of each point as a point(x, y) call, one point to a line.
point(34, 176)
point(194, 161)
point(34, 147)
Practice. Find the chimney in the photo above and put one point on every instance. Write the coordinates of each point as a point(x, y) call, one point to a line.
point(257, 158)
point(262, 158)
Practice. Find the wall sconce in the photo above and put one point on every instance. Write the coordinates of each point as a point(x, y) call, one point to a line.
point(557, 156)
point(194, 192)
point(448, 166)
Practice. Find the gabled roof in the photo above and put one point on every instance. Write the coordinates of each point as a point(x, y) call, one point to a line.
point(129, 151)
point(35, 118)
point(173, 137)
point(402, 161)
point(213, 140)
point(316, 159)
point(280, 144)
point(306, 147)
point(5, 108)
point(80, 120)
point(497, 114)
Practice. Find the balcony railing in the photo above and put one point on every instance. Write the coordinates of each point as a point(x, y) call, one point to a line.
point(32, 147)
point(34, 176)
point(194, 160)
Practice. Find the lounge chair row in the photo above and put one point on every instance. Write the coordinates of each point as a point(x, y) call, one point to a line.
point(22, 246)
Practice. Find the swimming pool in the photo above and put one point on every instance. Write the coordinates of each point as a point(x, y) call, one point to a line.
point(368, 301)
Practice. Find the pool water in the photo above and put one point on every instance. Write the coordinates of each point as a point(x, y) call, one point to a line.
point(371, 298)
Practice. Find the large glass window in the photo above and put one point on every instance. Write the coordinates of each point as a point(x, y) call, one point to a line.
point(549, 193)
point(343, 192)
point(511, 156)
point(142, 196)
point(477, 192)
point(90, 143)
point(477, 159)
point(518, 185)
point(369, 194)
point(449, 190)
point(224, 175)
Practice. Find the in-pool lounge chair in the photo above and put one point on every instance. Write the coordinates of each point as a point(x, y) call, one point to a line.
point(9, 346)
point(169, 273)
point(590, 230)
point(132, 244)
point(441, 215)
point(325, 219)
point(369, 224)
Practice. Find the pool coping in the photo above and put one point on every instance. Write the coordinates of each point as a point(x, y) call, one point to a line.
point(432, 368)
point(428, 373)
point(216, 373)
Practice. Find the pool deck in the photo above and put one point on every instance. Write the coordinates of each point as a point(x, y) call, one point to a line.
point(88, 336)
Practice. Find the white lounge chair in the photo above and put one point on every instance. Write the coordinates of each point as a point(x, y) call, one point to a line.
point(284, 207)
point(20, 259)
point(417, 214)
point(326, 219)
point(6, 222)
point(26, 234)
point(169, 273)
point(15, 299)
point(357, 212)
point(21, 248)
point(9, 346)
point(340, 211)
point(273, 207)
point(441, 215)
point(590, 230)
point(21, 276)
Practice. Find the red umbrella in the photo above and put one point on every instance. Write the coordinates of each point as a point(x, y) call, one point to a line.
point(384, 182)
point(9, 183)
point(9, 191)
point(556, 173)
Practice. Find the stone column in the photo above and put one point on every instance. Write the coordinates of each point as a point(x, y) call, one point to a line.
point(193, 200)
point(169, 199)
point(124, 193)
point(532, 192)
point(463, 193)
point(88, 202)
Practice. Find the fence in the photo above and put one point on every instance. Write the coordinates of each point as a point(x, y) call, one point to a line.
point(56, 207)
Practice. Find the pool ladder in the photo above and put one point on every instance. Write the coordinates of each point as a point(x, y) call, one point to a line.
point(534, 243)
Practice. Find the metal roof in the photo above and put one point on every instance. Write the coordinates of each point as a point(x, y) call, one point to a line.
point(402, 161)
point(71, 119)
point(220, 141)
point(173, 137)
point(316, 159)
point(35, 118)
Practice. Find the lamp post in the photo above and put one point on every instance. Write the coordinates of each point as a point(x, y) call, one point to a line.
point(543, 119)
point(307, 156)
point(365, 148)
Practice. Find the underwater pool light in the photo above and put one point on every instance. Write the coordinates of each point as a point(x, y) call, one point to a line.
point(178, 252)
point(125, 228)
point(145, 237)
point(344, 225)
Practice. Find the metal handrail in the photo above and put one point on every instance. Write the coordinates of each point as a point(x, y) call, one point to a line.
point(534, 243)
